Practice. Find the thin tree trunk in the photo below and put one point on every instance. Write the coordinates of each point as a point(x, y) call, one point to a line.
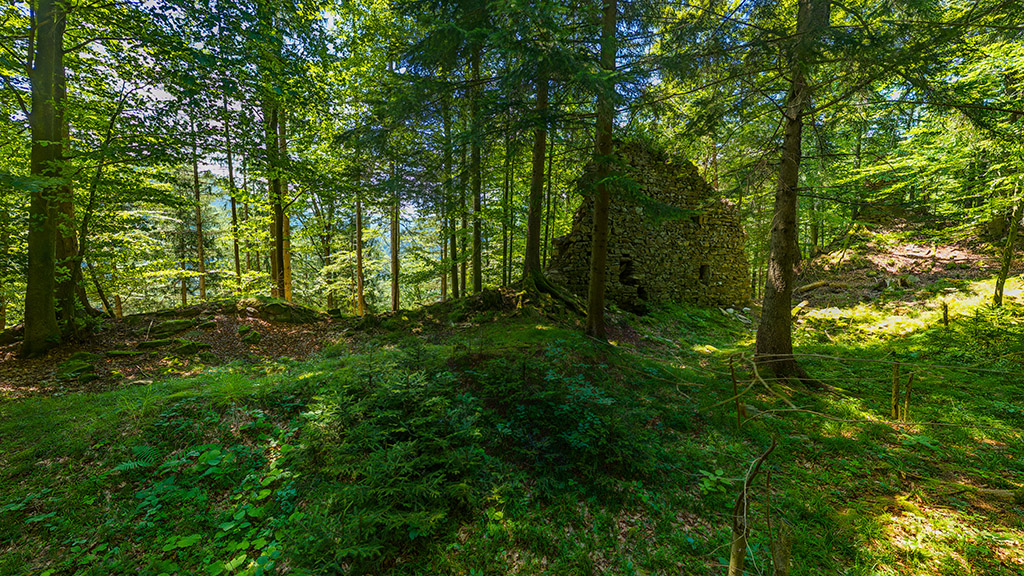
point(605, 120)
point(511, 220)
point(531, 260)
point(286, 223)
point(474, 169)
point(464, 234)
point(99, 289)
point(360, 302)
point(276, 200)
point(184, 286)
point(547, 211)
point(70, 293)
point(118, 305)
point(233, 193)
point(41, 329)
point(774, 343)
point(199, 216)
point(395, 245)
point(447, 202)
point(444, 256)
point(505, 208)
point(1007, 259)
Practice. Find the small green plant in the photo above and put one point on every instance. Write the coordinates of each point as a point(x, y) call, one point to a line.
point(714, 482)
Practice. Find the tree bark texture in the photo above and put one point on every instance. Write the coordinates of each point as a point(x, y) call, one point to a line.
point(41, 329)
point(474, 170)
point(196, 189)
point(360, 302)
point(233, 194)
point(395, 246)
point(774, 345)
point(1007, 259)
point(603, 150)
point(531, 260)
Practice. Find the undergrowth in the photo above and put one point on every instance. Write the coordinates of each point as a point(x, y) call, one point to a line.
point(521, 447)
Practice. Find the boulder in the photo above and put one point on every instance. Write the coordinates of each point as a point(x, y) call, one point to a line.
point(171, 327)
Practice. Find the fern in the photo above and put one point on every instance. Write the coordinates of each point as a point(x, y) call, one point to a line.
point(145, 457)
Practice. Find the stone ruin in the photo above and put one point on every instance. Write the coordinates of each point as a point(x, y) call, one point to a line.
point(694, 255)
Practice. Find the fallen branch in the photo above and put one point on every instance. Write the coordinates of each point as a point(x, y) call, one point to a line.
point(740, 523)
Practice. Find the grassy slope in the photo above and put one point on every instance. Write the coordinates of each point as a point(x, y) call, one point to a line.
point(513, 445)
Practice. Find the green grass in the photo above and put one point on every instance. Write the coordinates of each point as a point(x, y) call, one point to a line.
point(517, 446)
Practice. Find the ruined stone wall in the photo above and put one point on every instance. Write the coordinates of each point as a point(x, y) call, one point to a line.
point(697, 257)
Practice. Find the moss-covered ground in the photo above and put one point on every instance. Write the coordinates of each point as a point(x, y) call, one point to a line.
point(504, 442)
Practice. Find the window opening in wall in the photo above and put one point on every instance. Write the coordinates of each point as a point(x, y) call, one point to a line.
point(705, 273)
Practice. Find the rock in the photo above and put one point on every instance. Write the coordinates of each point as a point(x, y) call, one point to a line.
point(117, 353)
point(289, 313)
point(159, 343)
point(207, 324)
point(208, 358)
point(171, 327)
point(76, 369)
point(189, 347)
point(253, 337)
point(244, 328)
point(85, 356)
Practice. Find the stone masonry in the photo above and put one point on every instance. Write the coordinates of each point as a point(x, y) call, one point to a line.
point(656, 254)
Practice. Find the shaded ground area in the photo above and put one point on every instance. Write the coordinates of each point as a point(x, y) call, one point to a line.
point(211, 334)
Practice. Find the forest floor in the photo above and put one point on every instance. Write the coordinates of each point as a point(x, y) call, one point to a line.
point(488, 436)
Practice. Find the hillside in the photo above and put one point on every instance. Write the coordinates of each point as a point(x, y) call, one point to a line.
point(487, 436)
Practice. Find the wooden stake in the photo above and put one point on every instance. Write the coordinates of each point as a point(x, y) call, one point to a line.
point(895, 412)
point(945, 314)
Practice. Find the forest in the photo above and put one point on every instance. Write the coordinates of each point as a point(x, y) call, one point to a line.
point(511, 287)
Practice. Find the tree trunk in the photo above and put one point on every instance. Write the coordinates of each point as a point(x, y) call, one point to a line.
point(464, 226)
point(71, 298)
point(360, 302)
point(474, 169)
point(276, 200)
point(605, 119)
point(774, 345)
point(531, 260)
point(118, 304)
point(184, 286)
point(444, 257)
point(41, 329)
point(233, 194)
point(547, 212)
point(286, 223)
point(1011, 239)
point(395, 245)
point(447, 202)
point(505, 209)
point(108, 311)
point(201, 264)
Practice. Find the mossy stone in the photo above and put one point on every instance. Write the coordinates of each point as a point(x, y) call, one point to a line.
point(244, 328)
point(207, 324)
point(85, 356)
point(158, 343)
point(171, 327)
point(253, 337)
point(116, 353)
point(76, 369)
